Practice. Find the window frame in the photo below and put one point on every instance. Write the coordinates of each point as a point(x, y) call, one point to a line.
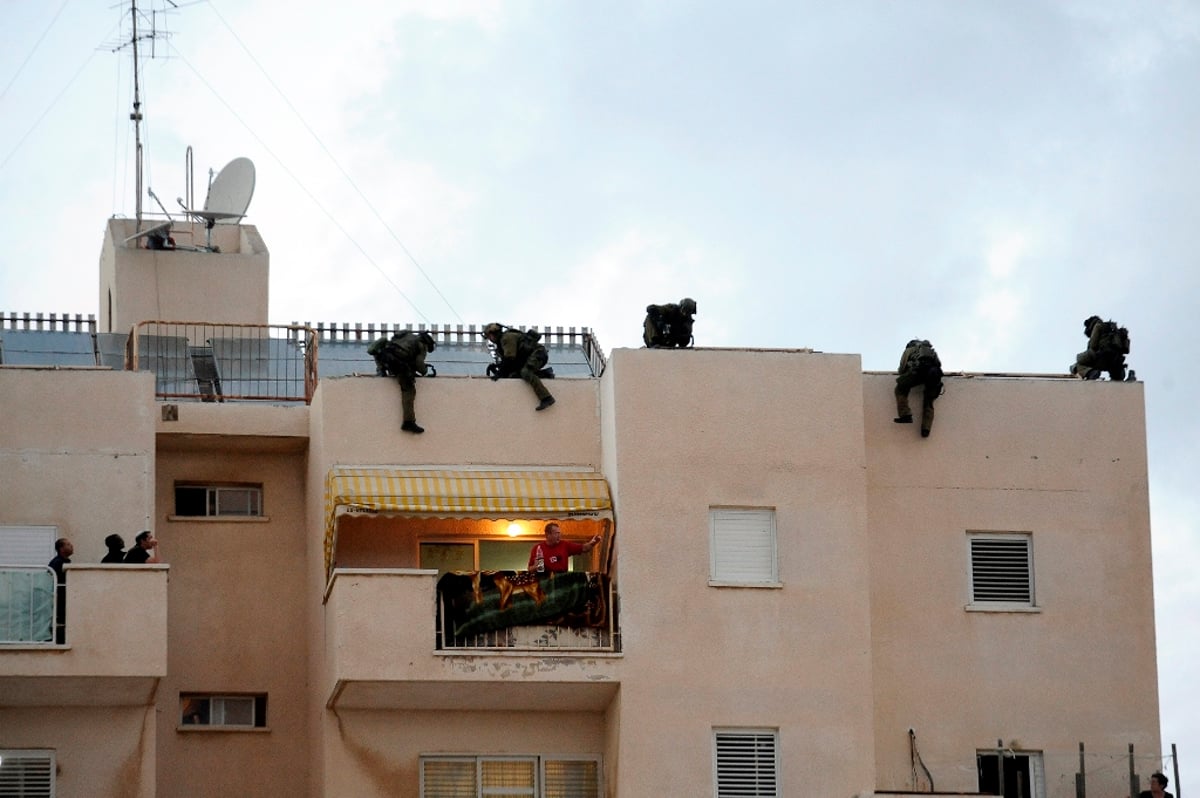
point(743, 736)
point(212, 500)
point(977, 603)
point(476, 763)
point(258, 712)
point(722, 523)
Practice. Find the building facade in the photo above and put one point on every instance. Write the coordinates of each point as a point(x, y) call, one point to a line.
point(792, 596)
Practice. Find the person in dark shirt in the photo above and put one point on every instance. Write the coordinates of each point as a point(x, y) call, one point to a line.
point(144, 549)
point(63, 549)
point(116, 549)
point(1158, 788)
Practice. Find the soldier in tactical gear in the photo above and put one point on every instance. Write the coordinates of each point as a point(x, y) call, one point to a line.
point(1108, 344)
point(521, 355)
point(403, 357)
point(919, 365)
point(669, 326)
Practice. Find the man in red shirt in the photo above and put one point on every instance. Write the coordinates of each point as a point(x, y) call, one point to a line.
point(554, 555)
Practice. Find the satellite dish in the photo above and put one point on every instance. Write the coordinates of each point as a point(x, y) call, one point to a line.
point(231, 190)
point(228, 196)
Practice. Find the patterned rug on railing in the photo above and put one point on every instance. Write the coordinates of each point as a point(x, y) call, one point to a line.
point(483, 601)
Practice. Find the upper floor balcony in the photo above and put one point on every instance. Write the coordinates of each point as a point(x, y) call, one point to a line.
point(390, 642)
point(110, 649)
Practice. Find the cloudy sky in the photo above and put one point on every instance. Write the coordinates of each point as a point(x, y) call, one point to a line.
point(842, 176)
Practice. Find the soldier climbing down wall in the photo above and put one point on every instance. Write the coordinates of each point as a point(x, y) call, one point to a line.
point(919, 365)
point(403, 357)
point(521, 354)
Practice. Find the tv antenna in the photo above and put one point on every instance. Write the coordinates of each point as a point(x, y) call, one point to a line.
point(151, 35)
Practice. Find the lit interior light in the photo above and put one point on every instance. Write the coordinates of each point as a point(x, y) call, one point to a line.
point(515, 530)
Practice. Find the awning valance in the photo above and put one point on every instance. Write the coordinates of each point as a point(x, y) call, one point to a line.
point(462, 493)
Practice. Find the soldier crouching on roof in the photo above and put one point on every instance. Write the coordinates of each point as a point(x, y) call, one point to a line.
point(919, 365)
point(521, 355)
point(669, 326)
point(403, 357)
point(1108, 344)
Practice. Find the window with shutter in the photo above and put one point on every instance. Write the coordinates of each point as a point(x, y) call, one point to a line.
point(1001, 570)
point(26, 773)
point(742, 547)
point(509, 777)
point(571, 778)
point(746, 763)
point(27, 545)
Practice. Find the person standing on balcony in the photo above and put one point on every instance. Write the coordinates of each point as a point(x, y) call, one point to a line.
point(521, 355)
point(116, 549)
point(919, 365)
point(403, 357)
point(555, 554)
point(1158, 788)
point(144, 549)
point(63, 549)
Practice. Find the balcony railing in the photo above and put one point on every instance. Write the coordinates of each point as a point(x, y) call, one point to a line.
point(536, 637)
point(226, 362)
point(28, 604)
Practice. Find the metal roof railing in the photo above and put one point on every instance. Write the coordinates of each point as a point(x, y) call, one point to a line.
point(225, 362)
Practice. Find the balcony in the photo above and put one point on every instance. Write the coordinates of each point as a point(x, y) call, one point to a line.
point(386, 649)
point(114, 647)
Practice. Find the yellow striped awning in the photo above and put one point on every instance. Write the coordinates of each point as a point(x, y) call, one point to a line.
point(462, 493)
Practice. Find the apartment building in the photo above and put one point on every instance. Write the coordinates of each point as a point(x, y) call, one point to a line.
point(792, 596)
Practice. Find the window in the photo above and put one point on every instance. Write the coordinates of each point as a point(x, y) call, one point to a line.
point(1011, 774)
point(746, 763)
point(742, 547)
point(1001, 570)
point(27, 545)
point(27, 773)
point(226, 711)
point(214, 500)
point(510, 777)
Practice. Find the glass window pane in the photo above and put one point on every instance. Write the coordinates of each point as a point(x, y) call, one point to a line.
point(236, 711)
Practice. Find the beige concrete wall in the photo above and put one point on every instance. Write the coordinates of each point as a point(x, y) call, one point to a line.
point(237, 596)
point(697, 429)
point(77, 452)
point(99, 751)
point(226, 287)
point(377, 753)
point(1063, 460)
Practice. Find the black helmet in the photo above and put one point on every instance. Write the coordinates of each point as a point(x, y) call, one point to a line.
point(687, 305)
point(492, 328)
point(427, 339)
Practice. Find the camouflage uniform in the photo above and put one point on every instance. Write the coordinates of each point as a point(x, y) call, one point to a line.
point(668, 326)
point(522, 356)
point(403, 357)
point(1107, 346)
point(919, 365)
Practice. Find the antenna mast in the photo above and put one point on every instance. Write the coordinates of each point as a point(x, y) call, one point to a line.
point(136, 115)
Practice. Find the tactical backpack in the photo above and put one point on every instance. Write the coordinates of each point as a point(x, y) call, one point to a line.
point(924, 356)
point(1114, 338)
